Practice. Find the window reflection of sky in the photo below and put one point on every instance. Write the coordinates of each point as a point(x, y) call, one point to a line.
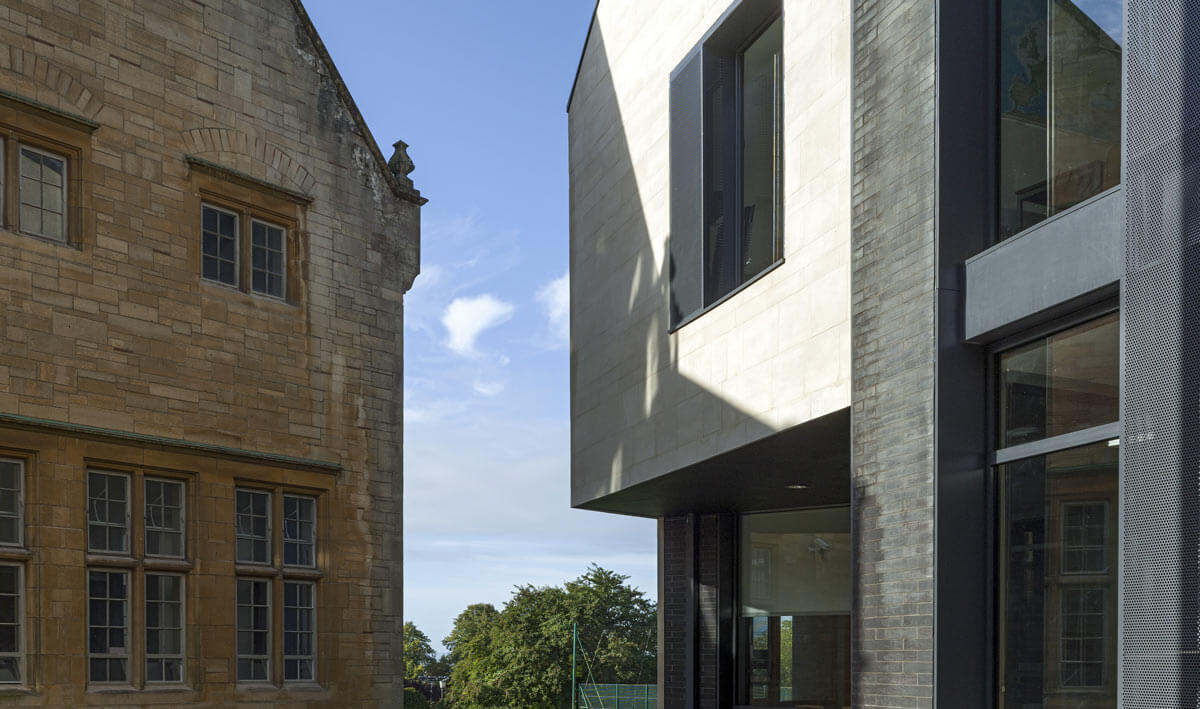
point(1107, 14)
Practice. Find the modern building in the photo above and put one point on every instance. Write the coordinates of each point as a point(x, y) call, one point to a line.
point(884, 310)
point(203, 255)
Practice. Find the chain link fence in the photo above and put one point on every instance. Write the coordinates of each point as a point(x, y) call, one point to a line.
point(617, 696)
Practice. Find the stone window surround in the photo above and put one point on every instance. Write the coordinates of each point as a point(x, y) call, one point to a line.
point(277, 573)
point(25, 122)
point(252, 201)
point(137, 564)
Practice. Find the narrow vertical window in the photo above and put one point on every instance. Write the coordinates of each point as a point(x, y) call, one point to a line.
point(253, 527)
point(164, 518)
point(12, 474)
point(267, 243)
point(299, 631)
point(164, 628)
point(762, 153)
point(1058, 554)
point(219, 236)
point(43, 188)
point(299, 531)
point(108, 646)
point(108, 512)
point(11, 619)
point(253, 630)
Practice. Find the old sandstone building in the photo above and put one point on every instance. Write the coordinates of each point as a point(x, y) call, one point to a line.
point(203, 255)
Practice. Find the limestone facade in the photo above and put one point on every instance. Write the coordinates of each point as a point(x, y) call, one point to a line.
point(120, 357)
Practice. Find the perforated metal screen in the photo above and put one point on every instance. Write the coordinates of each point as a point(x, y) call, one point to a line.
point(1161, 446)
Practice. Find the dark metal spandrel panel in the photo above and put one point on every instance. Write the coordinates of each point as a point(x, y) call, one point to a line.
point(1161, 313)
point(687, 112)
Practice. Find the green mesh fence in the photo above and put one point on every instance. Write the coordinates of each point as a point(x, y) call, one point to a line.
point(617, 696)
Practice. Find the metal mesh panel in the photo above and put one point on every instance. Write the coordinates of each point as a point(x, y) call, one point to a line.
point(1161, 313)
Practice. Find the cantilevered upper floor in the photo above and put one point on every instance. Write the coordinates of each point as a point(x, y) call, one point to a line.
point(710, 191)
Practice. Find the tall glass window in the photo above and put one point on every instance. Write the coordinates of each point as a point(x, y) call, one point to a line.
point(108, 626)
point(164, 517)
point(267, 258)
point(253, 630)
point(299, 531)
point(164, 628)
point(12, 508)
point(1059, 506)
point(253, 528)
point(795, 594)
point(43, 193)
point(108, 512)
point(299, 631)
point(11, 622)
point(1060, 106)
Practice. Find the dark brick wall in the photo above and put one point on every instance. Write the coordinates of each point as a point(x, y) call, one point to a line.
point(674, 607)
point(894, 334)
point(697, 610)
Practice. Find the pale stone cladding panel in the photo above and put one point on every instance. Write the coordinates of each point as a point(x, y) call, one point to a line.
point(118, 331)
point(777, 353)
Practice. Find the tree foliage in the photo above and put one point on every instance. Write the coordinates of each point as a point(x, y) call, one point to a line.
point(418, 652)
point(521, 656)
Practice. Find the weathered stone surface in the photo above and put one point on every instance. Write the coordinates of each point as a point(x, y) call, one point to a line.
point(118, 330)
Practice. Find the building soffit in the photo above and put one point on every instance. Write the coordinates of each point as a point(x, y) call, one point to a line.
point(806, 465)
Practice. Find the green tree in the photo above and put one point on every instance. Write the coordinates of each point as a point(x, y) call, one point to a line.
point(472, 675)
point(521, 656)
point(414, 699)
point(418, 653)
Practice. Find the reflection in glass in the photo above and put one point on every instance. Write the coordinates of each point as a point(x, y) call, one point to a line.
point(761, 172)
point(1060, 106)
point(1062, 383)
point(742, 171)
point(1058, 556)
point(795, 585)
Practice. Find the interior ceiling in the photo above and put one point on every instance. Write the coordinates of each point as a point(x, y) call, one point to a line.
point(753, 478)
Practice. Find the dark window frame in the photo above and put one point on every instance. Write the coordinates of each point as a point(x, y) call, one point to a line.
point(997, 195)
point(998, 456)
point(738, 29)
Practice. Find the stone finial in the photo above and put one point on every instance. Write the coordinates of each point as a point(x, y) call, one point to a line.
point(400, 164)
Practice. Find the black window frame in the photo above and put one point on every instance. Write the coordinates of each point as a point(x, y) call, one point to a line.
point(724, 44)
point(998, 456)
point(997, 160)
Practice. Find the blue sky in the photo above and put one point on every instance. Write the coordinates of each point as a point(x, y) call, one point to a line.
point(479, 89)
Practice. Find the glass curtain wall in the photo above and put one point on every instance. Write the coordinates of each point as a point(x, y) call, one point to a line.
point(795, 593)
point(1060, 106)
point(1058, 519)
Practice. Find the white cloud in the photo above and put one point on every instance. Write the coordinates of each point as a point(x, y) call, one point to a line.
point(487, 388)
point(466, 318)
point(555, 298)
